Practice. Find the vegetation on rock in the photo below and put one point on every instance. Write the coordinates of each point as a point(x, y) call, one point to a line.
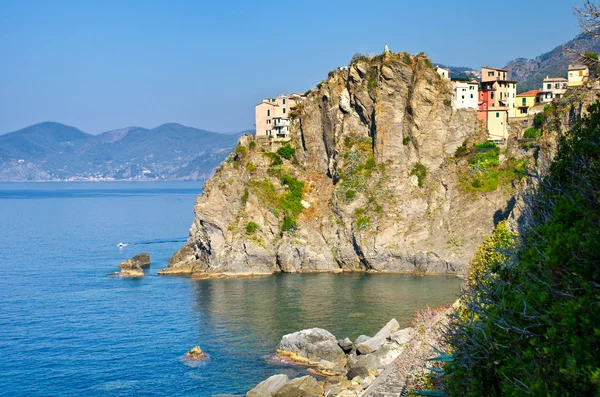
point(529, 321)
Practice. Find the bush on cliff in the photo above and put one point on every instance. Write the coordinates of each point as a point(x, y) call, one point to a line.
point(286, 151)
point(529, 320)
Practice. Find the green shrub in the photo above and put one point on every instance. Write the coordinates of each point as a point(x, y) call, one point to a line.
point(358, 57)
point(447, 102)
point(350, 195)
point(591, 55)
point(250, 167)
point(538, 120)
point(529, 320)
point(420, 171)
point(251, 227)
point(406, 140)
point(407, 59)
point(372, 78)
point(245, 196)
point(348, 142)
point(286, 151)
point(531, 133)
point(319, 85)
point(252, 145)
point(275, 159)
point(240, 149)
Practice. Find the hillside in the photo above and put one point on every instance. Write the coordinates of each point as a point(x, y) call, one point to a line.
point(381, 174)
point(530, 73)
point(54, 151)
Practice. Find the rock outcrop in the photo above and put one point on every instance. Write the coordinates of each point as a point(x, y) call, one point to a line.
point(133, 267)
point(269, 386)
point(310, 347)
point(371, 184)
point(195, 353)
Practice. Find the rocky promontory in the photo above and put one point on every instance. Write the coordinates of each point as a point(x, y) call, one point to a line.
point(369, 181)
point(133, 267)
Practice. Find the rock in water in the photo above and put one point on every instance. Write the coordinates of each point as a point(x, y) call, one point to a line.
point(269, 387)
point(133, 267)
point(195, 353)
point(346, 345)
point(310, 346)
point(376, 342)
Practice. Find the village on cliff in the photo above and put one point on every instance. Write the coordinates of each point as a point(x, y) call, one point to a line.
point(490, 92)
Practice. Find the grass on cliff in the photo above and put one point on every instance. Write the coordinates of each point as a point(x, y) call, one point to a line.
point(529, 320)
point(288, 203)
point(483, 172)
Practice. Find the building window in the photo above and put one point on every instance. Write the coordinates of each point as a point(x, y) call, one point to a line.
point(492, 95)
point(463, 97)
point(524, 101)
point(284, 101)
point(268, 112)
point(283, 110)
point(497, 114)
point(269, 121)
point(523, 110)
point(549, 86)
point(490, 74)
point(471, 96)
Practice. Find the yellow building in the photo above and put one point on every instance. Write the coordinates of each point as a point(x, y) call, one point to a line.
point(526, 101)
point(578, 74)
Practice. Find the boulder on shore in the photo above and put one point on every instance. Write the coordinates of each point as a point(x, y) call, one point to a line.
point(301, 387)
point(310, 346)
point(195, 353)
point(133, 267)
point(376, 342)
point(269, 386)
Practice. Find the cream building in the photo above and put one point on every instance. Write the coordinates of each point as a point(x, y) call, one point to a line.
point(553, 87)
point(578, 74)
point(272, 116)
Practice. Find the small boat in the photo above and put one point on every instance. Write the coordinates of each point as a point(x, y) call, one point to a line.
point(121, 245)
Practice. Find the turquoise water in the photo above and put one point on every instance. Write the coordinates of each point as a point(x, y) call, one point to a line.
point(68, 329)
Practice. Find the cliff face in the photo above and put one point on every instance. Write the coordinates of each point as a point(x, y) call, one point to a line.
point(370, 186)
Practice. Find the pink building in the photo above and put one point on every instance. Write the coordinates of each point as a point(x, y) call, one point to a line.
point(272, 116)
point(497, 102)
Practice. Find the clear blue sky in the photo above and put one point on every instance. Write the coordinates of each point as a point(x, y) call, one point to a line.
point(101, 65)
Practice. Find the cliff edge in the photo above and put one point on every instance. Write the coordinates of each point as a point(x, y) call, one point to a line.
point(368, 182)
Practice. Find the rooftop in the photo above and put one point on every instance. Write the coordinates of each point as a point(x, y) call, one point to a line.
point(577, 67)
point(561, 79)
point(529, 93)
point(501, 70)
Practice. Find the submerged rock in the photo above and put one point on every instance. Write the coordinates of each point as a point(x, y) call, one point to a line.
point(269, 387)
point(310, 346)
point(195, 353)
point(133, 267)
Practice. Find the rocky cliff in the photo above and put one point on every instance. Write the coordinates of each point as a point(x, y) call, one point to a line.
point(368, 182)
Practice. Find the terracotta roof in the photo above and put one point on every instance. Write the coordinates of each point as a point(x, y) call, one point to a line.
point(529, 93)
point(487, 67)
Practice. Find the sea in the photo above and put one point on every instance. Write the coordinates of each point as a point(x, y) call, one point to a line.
point(70, 327)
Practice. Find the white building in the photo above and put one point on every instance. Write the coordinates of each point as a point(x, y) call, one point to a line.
point(553, 87)
point(443, 72)
point(465, 94)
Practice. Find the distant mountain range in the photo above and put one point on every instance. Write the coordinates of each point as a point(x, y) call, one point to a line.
point(530, 73)
point(56, 152)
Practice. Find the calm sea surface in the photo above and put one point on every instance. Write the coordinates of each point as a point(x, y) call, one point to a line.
point(68, 329)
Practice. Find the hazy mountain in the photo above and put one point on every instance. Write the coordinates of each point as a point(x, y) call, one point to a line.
point(530, 73)
point(54, 151)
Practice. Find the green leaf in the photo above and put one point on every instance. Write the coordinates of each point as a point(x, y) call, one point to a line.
point(443, 358)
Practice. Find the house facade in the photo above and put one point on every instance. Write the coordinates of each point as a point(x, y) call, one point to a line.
point(525, 101)
point(465, 94)
point(272, 116)
point(553, 87)
point(497, 100)
point(443, 72)
point(578, 74)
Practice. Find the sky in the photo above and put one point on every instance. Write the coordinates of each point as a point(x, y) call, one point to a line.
point(103, 65)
